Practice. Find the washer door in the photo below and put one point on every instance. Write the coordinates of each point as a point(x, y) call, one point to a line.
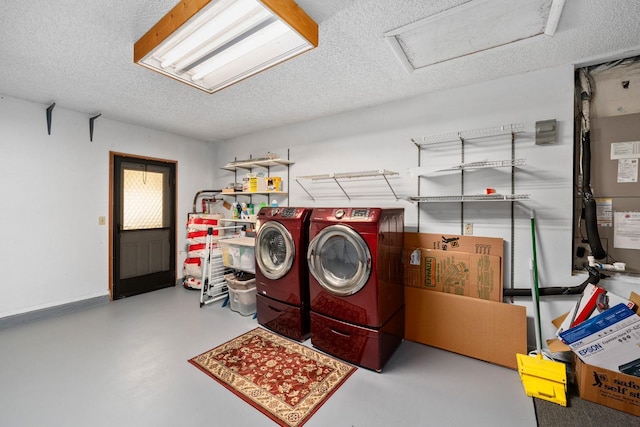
point(275, 250)
point(340, 260)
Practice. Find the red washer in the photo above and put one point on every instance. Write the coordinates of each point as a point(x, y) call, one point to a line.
point(356, 279)
point(281, 271)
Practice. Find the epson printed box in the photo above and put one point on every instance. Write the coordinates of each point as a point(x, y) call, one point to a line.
point(593, 301)
point(614, 350)
point(604, 324)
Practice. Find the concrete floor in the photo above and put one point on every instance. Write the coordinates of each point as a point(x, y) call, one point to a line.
point(125, 364)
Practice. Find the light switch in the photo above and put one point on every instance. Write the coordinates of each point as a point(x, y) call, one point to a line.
point(102, 220)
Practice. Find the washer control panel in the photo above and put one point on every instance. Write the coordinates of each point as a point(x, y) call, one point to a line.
point(288, 212)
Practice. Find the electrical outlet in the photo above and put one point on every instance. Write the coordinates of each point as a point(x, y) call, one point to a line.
point(468, 229)
point(102, 220)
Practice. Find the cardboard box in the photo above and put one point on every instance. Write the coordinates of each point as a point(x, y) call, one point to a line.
point(613, 389)
point(614, 350)
point(460, 273)
point(455, 243)
point(491, 331)
point(556, 345)
point(593, 301)
point(464, 265)
point(603, 325)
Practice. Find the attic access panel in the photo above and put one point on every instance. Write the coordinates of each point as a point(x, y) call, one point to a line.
point(472, 27)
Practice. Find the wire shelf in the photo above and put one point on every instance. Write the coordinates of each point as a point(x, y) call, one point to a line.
point(336, 177)
point(471, 198)
point(469, 134)
point(347, 175)
point(484, 165)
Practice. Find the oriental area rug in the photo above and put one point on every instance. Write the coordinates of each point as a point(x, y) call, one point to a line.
point(283, 379)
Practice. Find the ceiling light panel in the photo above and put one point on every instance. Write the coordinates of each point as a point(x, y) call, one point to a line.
point(472, 27)
point(213, 44)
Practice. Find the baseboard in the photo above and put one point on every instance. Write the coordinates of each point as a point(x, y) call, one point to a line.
point(57, 310)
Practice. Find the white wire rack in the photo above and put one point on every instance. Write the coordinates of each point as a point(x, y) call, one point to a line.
point(484, 165)
point(348, 175)
point(471, 198)
point(469, 134)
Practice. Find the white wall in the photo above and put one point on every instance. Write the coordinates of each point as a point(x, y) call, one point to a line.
point(54, 188)
point(380, 138)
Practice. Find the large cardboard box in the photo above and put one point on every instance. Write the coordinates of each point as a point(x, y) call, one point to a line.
point(462, 265)
point(491, 331)
point(609, 388)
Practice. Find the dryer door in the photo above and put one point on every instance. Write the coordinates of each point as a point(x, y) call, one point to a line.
point(340, 260)
point(275, 250)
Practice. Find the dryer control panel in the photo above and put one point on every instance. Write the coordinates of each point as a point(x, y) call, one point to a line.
point(360, 213)
point(353, 214)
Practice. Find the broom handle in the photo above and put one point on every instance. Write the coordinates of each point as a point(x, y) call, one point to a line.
point(536, 292)
point(536, 312)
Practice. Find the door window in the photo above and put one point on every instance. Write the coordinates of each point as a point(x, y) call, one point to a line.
point(142, 199)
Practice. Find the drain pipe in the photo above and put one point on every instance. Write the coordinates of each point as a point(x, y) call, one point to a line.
point(594, 278)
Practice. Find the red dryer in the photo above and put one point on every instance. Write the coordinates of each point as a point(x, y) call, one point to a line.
point(356, 283)
point(281, 271)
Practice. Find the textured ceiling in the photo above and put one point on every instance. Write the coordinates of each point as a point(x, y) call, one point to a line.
point(78, 53)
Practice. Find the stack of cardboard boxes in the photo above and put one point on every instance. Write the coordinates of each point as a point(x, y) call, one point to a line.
point(603, 333)
point(453, 298)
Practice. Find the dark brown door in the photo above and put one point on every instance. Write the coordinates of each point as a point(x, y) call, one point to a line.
point(144, 225)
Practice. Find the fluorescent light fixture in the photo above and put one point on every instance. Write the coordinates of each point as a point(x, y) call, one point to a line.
point(472, 27)
point(211, 44)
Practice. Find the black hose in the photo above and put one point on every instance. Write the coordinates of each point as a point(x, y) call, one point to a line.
point(591, 224)
point(588, 201)
point(586, 161)
point(594, 278)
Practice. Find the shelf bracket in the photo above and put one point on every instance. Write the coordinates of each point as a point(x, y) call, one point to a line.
point(390, 187)
point(91, 120)
point(49, 117)
point(305, 190)
point(345, 193)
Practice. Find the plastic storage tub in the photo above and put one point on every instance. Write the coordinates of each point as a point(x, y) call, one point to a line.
point(239, 253)
point(242, 296)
